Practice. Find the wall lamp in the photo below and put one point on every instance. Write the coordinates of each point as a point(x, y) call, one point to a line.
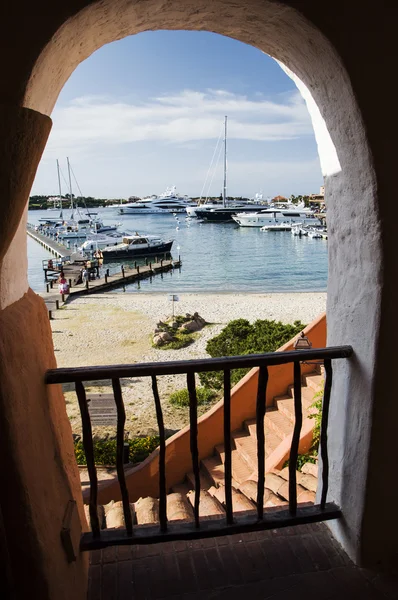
point(302, 342)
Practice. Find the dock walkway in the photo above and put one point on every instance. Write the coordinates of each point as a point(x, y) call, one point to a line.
point(71, 265)
point(127, 275)
point(48, 243)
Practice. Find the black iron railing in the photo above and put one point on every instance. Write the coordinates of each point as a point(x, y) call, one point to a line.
point(231, 523)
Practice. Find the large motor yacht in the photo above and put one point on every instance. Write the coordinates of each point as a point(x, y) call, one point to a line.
point(275, 216)
point(169, 202)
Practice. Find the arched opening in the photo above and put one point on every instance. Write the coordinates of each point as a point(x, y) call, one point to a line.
point(355, 291)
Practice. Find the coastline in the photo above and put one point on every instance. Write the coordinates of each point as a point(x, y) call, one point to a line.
point(114, 328)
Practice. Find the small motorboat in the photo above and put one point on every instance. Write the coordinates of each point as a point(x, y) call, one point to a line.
point(137, 245)
point(285, 226)
point(314, 234)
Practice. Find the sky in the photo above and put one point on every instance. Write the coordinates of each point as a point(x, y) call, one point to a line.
point(147, 112)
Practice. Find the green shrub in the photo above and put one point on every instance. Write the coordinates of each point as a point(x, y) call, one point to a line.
point(181, 340)
point(181, 397)
point(105, 450)
point(302, 459)
point(241, 337)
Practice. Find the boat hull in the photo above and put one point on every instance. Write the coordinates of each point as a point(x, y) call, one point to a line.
point(261, 221)
point(222, 216)
point(120, 254)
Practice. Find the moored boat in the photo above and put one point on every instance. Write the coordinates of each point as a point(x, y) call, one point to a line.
point(168, 202)
point(269, 216)
point(137, 245)
point(277, 227)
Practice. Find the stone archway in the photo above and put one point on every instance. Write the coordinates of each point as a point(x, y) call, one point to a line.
point(307, 43)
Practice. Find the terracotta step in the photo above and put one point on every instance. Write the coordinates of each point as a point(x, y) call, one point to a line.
point(286, 405)
point(249, 488)
point(314, 380)
point(100, 513)
point(241, 470)
point(178, 508)
point(240, 502)
point(272, 439)
point(147, 510)
point(246, 445)
point(114, 515)
point(181, 488)
point(278, 423)
point(205, 481)
point(310, 469)
point(307, 395)
point(309, 482)
point(279, 485)
point(215, 469)
point(209, 505)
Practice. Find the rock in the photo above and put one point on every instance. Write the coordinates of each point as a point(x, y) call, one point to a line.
point(190, 326)
point(162, 338)
point(199, 319)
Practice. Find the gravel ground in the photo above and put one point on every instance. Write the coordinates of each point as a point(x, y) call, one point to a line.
point(109, 329)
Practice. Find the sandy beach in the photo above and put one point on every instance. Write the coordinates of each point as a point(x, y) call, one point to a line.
point(107, 329)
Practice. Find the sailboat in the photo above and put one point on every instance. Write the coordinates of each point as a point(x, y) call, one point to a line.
point(59, 217)
point(224, 213)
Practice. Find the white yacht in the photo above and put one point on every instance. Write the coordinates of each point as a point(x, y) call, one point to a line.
point(99, 241)
point(168, 202)
point(275, 216)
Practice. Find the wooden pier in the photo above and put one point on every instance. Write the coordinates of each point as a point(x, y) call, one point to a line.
point(71, 266)
point(127, 275)
point(49, 244)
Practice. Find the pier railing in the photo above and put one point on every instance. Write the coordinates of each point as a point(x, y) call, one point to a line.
point(232, 523)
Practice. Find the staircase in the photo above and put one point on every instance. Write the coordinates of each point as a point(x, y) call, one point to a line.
point(278, 427)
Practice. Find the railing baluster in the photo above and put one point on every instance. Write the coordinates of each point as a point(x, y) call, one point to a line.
point(227, 447)
point(162, 458)
point(89, 452)
point(121, 419)
point(260, 414)
point(298, 414)
point(324, 430)
point(193, 422)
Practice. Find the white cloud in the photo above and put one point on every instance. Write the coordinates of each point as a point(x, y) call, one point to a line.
point(122, 148)
point(90, 122)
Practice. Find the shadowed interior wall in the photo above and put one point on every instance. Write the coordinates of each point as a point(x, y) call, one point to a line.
point(331, 47)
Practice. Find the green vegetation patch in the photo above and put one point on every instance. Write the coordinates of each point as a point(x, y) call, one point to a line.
point(105, 450)
point(241, 337)
point(181, 397)
point(181, 340)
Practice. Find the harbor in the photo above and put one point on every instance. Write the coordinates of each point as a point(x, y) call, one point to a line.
point(217, 257)
point(100, 278)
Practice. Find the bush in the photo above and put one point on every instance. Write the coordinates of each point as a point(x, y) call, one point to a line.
point(241, 337)
point(181, 397)
point(181, 340)
point(105, 450)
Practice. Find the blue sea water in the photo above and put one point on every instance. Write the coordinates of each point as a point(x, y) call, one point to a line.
point(216, 257)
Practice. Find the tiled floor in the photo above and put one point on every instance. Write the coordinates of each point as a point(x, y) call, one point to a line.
point(300, 563)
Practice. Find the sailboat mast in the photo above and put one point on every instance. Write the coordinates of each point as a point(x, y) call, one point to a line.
point(224, 195)
point(70, 186)
point(59, 188)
